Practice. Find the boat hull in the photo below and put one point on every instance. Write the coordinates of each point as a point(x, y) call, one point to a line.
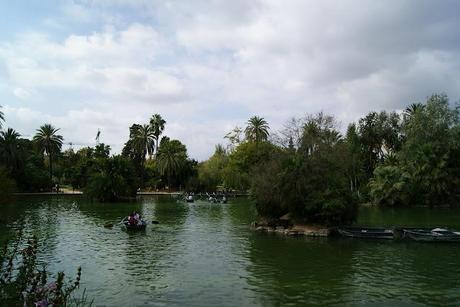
point(367, 233)
point(424, 235)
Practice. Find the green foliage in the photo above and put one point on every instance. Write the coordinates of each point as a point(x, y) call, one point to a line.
point(310, 183)
point(211, 171)
point(157, 124)
point(7, 186)
point(428, 169)
point(23, 284)
point(379, 134)
point(48, 141)
point(241, 162)
point(111, 179)
point(256, 130)
point(266, 188)
point(171, 158)
point(390, 186)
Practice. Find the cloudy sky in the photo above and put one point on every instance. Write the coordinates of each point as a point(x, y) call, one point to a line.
point(207, 66)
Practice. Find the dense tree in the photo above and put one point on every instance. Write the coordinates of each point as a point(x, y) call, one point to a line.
point(426, 169)
point(380, 134)
point(7, 186)
point(241, 162)
point(111, 179)
point(144, 143)
point(211, 171)
point(413, 109)
point(355, 165)
point(171, 157)
point(311, 183)
point(144, 140)
point(256, 130)
point(157, 123)
point(10, 151)
point(49, 142)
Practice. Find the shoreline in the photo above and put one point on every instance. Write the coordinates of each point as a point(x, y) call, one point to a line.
point(294, 230)
point(77, 193)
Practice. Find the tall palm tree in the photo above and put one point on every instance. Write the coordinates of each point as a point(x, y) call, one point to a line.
point(413, 108)
point(257, 129)
point(49, 142)
point(170, 158)
point(158, 125)
point(2, 118)
point(144, 143)
point(144, 140)
point(9, 148)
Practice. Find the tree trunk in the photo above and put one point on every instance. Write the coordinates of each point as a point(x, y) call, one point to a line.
point(157, 141)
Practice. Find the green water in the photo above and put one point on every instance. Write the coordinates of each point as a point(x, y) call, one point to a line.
point(204, 254)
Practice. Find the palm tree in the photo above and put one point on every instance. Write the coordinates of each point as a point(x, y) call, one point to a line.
point(257, 129)
point(144, 143)
point(413, 108)
point(49, 142)
point(158, 125)
point(9, 148)
point(2, 118)
point(170, 158)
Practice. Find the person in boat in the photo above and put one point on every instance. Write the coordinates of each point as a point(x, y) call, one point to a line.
point(137, 217)
point(131, 219)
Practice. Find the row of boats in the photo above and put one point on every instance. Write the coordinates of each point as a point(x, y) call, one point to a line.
point(212, 198)
point(416, 234)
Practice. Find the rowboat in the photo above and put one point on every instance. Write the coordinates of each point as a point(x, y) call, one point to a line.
point(431, 235)
point(139, 226)
point(366, 233)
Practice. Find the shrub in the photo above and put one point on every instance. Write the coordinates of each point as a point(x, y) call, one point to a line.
point(23, 284)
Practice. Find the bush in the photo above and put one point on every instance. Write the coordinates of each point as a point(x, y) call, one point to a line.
point(23, 284)
point(7, 186)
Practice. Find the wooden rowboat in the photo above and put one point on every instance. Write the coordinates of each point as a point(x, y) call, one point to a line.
point(366, 233)
point(140, 226)
point(431, 235)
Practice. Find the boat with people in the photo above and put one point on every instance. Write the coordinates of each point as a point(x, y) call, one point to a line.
point(366, 232)
point(133, 222)
point(430, 234)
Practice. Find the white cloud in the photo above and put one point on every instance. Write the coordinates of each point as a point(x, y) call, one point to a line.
point(21, 93)
point(208, 66)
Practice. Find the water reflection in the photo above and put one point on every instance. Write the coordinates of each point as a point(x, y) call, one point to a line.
point(205, 254)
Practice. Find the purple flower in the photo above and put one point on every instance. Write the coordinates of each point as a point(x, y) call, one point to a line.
point(51, 286)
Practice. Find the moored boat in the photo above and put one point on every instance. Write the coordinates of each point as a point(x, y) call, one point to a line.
point(366, 233)
point(431, 235)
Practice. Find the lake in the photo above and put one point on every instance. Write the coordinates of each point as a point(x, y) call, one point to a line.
point(205, 254)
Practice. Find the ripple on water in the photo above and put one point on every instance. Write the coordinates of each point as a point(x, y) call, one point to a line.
point(203, 254)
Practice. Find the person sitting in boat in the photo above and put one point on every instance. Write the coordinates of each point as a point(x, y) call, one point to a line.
point(131, 219)
point(137, 217)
